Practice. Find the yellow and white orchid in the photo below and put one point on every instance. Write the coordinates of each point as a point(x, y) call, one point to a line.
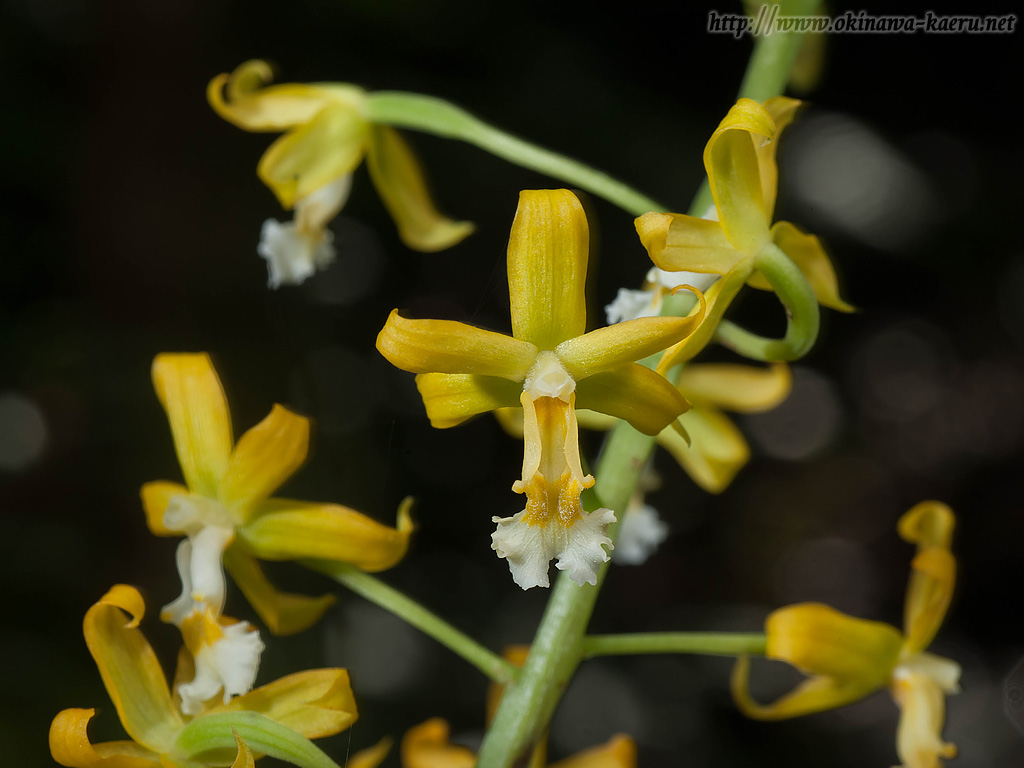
point(741, 165)
point(849, 658)
point(225, 512)
point(549, 366)
point(327, 134)
point(311, 704)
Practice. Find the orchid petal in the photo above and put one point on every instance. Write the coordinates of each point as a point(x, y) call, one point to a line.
point(548, 250)
point(197, 410)
point(155, 498)
point(245, 758)
point(447, 346)
point(740, 388)
point(130, 670)
point(314, 154)
point(264, 457)
point(810, 258)
point(676, 242)
point(282, 529)
point(370, 757)
point(634, 393)
point(426, 746)
point(70, 745)
point(399, 180)
point(922, 714)
point(929, 525)
point(283, 613)
point(450, 399)
point(716, 451)
point(618, 752)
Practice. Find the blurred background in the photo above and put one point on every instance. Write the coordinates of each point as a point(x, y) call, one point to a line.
point(129, 225)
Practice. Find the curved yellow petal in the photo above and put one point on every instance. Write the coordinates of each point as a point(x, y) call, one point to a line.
point(254, 106)
point(400, 183)
point(264, 457)
point(155, 498)
point(614, 345)
point(451, 398)
point(548, 250)
point(130, 670)
point(718, 297)
point(370, 757)
point(426, 746)
point(447, 346)
point(618, 752)
point(716, 451)
point(813, 695)
point(929, 525)
point(70, 745)
point(511, 420)
point(677, 242)
point(315, 703)
point(741, 388)
point(284, 613)
point(314, 154)
point(244, 758)
point(819, 640)
point(283, 529)
point(810, 258)
point(733, 169)
point(922, 706)
point(197, 410)
point(634, 393)
point(782, 110)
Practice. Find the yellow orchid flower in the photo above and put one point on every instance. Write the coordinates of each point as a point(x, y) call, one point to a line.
point(310, 167)
point(225, 512)
point(740, 162)
point(549, 366)
point(312, 704)
point(427, 746)
point(849, 658)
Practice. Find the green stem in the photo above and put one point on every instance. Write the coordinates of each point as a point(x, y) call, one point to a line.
point(713, 643)
point(803, 315)
point(389, 598)
point(441, 118)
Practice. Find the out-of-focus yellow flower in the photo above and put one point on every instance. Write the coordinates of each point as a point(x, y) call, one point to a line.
point(314, 703)
point(549, 366)
point(225, 512)
point(740, 162)
point(310, 167)
point(427, 746)
point(848, 658)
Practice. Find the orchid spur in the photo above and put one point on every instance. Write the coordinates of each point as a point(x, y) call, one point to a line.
point(309, 168)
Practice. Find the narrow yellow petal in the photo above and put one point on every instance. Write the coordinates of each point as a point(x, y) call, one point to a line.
point(741, 388)
point(370, 757)
point(315, 703)
point(314, 154)
point(547, 267)
point(197, 410)
point(922, 706)
point(130, 670)
point(252, 106)
point(678, 242)
point(284, 613)
point(244, 758)
point(625, 342)
point(731, 161)
point(426, 746)
point(155, 497)
point(265, 456)
point(819, 640)
point(634, 393)
point(451, 398)
point(447, 346)
point(809, 256)
point(400, 183)
point(929, 525)
point(618, 752)
point(782, 111)
point(716, 451)
point(70, 745)
point(282, 529)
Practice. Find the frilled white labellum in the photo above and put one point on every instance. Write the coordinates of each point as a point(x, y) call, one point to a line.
point(227, 665)
point(640, 534)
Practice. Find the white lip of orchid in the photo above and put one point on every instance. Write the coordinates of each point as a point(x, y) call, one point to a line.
point(942, 671)
point(629, 304)
point(548, 378)
point(228, 664)
point(640, 534)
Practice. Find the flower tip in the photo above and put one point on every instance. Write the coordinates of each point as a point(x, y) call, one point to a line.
point(129, 600)
point(405, 522)
point(653, 230)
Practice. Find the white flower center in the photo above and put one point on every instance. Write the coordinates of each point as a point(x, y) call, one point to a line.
point(228, 664)
point(548, 378)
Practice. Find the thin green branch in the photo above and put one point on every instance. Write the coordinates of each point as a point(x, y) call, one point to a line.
point(711, 643)
point(407, 609)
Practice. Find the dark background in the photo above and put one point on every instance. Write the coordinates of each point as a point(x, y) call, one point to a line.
point(128, 227)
